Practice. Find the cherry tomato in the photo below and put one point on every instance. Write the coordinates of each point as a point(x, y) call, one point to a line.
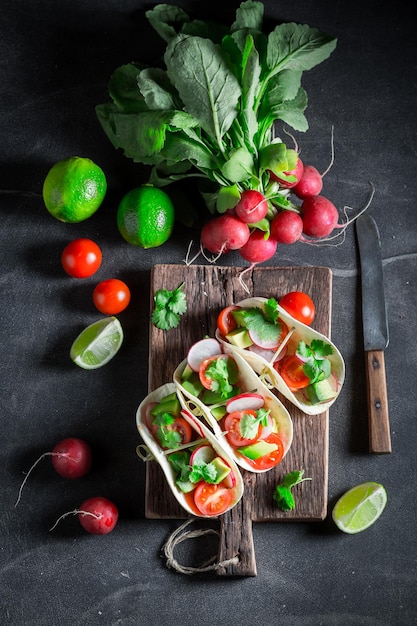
point(182, 427)
point(206, 380)
point(225, 320)
point(233, 432)
point(212, 499)
point(273, 458)
point(299, 305)
point(291, 369)
point(111, 296)
point(81, 258)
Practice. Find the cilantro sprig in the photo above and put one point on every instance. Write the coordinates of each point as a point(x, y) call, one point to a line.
point(167, 437)
point(249, 424)
point(317, 366)
point(169, 306)
point(180, 462)
point(265, 323)
point(283, 495)
point(223, 375)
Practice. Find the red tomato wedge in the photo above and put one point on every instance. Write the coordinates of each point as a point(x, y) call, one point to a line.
point(269, 460)
point(233, 432)
point(292, 372)
point(212, 499)
point(225, 320)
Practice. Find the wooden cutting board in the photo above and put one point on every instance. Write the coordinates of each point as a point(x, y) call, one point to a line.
point(208, 290)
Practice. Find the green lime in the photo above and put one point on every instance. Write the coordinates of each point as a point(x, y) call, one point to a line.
point(146, 217)
point(359, 507)
point(73, 189)
point(97, 344)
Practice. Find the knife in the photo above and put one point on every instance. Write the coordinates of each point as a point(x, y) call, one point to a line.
point(375, 333)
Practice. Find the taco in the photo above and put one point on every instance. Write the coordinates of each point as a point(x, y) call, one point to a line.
point(203, 478)
point(248, 420)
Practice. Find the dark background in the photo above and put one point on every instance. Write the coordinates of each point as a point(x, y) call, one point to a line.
point(56, 59)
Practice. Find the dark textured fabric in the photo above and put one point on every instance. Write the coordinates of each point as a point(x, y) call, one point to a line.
point(55, 62)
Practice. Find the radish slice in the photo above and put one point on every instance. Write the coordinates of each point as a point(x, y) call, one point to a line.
point(270, 428)
point(268, 355)
point(230, 480)
point(203, 349)
point(245, 402)
point(202, 454)
point(266, 344)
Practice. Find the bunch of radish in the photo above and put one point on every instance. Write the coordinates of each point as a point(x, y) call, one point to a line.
point(260, 221)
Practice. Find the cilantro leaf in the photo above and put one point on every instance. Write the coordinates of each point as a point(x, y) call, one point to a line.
point(282, 493)
point(317, 366)
point(167, 437)
point(180, 462)
point(249, 423)
point(221, 376)
point(271, 310)
point(204, 471)
point(169, 306)
point(254, 319)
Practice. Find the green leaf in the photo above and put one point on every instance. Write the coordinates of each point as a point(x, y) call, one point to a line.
point(293, 478)
point(157, 90)
point(123, 88)
point(227, 198)
point(208, 89)
point(274, 157)
point(297, 47)
point(167, 20)
point(271, 310)
point(249, 15)
point(239, 166)
point(284, 498)
point(254, 319)
point(169, 306)
point(316, 366)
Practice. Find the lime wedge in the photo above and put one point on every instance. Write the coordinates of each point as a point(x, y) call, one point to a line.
point(359, 507)
point(97, 344)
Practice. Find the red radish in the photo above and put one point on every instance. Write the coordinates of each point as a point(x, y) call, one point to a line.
point(201, 350)
point(202, 454)
point(252, 206)
point(319, 216)
point(98, 515)
point(245, 402)
point(224, 233)
point(286, 227)
point(265, 344)
point(230, 480)
point(258, 249)
point(297, 171)
point(310, 183)
point(71, 458)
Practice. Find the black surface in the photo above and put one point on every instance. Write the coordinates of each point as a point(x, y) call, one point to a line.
point(56, 58)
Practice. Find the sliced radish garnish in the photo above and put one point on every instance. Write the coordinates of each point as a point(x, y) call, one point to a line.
point(203, 349)
point(230, 480)
point(267, 430)
point(245, 402)
point(266, 344)
point(202, 454)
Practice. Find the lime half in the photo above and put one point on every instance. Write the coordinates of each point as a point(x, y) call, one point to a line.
point(97, 344)
point(359, 507)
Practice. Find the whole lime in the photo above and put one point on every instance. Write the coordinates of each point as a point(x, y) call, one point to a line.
point(73, 189)
point(146, 217)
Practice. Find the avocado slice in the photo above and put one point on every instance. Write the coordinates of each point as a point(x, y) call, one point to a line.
point(222, 469)
point(218, 412)
point(239, 338)
point(169, 404)
point(258, 449)
point(193, 385)
point(187, 372)
point(322, 391)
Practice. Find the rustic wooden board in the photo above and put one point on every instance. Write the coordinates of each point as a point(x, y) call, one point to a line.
point(209, 289)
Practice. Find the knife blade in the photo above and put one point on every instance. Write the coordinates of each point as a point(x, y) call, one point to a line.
point(375, 333)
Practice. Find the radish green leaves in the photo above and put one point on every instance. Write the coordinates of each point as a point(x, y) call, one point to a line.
point(210, 112)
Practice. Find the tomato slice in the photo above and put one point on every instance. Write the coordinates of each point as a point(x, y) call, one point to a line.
point(212, 499)
point(292, 372)
point(183, 427)
point(273, 458)
point(207, 381)
point(225, 320)
point(299, 305)
point(180, 425)
point(234, 435)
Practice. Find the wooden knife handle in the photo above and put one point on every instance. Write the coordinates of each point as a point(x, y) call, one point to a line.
point(378, 416)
